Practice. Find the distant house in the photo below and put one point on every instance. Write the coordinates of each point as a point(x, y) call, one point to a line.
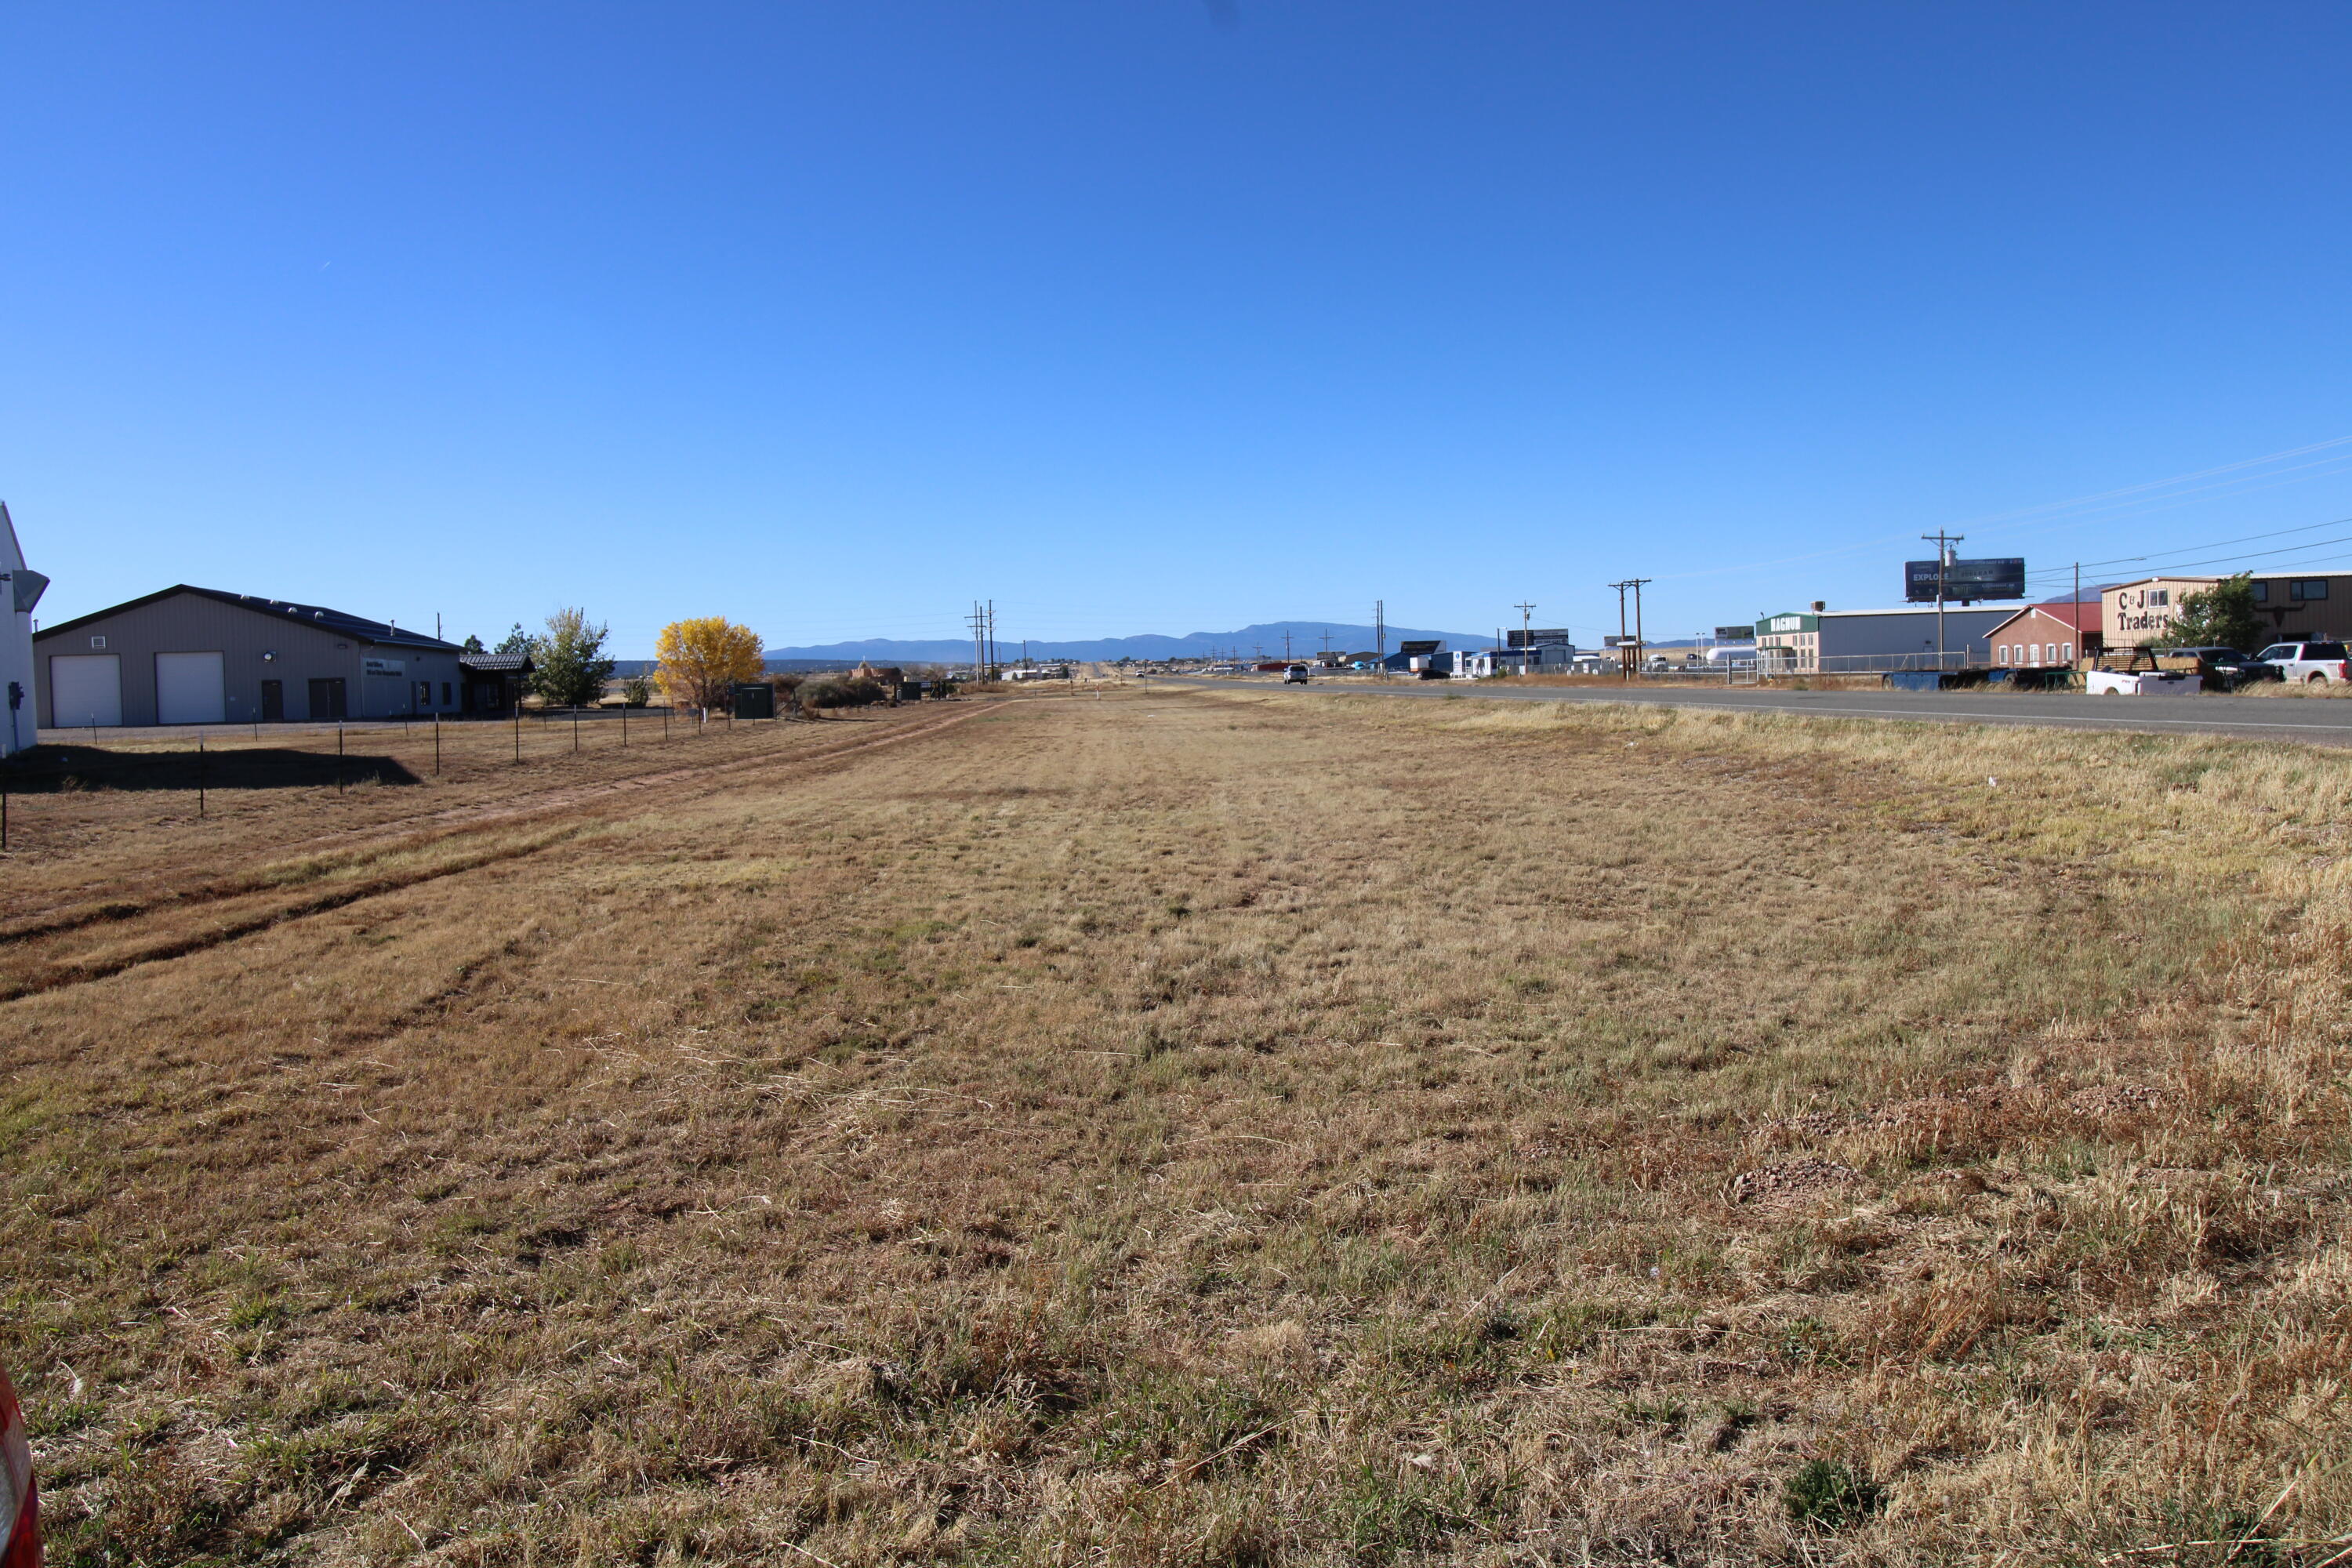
point(23, 587)
point(2043, 636)
point(203, 656)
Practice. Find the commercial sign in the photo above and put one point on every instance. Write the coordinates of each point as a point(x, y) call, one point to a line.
point(1787, 623)
point(384, 665)
point(1613, 641)
point(1733, 634)
point(1995, 577)
point(1541, 637)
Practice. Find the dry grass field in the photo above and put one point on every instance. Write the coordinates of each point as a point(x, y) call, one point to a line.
point(1200, 1128)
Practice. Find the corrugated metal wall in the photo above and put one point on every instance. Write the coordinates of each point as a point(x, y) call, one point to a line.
point(300, 652)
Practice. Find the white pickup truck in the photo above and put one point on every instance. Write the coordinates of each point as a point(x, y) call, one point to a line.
point(2138, 683)
point(2309, 663)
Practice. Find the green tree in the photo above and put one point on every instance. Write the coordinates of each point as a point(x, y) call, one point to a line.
point(473, 643)
point(2223, 616)
point(568, 666)
point(516, 641)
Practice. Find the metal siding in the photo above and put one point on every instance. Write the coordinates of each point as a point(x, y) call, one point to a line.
point(191, 623)
point(1848, 636)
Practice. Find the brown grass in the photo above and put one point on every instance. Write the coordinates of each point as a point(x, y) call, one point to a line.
point(1193, 1128)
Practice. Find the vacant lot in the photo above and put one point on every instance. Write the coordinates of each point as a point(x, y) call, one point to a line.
point(1200, 1129)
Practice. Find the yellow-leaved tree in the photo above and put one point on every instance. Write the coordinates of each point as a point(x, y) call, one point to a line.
point(701, 661)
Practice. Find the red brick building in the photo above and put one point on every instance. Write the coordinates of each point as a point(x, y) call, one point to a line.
point(2044, 637)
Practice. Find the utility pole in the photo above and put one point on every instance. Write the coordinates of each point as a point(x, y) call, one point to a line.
point(977, 662)
point(1637, 583)
point(1327, 644)
point(1381, 633)
point(1526, 626)
point(992, 639)
point(1943, 543)
point(1286, 647)
point(1621, 587)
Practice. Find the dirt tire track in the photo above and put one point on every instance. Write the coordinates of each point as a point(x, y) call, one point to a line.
point(61, 973)
point(95, 903)
point(106, 906)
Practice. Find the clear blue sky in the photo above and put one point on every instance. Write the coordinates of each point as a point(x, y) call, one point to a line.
point(1151, 315)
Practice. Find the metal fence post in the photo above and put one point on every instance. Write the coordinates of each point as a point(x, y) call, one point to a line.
point(575, 727)
point(200, 775)
point(517, 729)
point(436, 745)
point(339, 756)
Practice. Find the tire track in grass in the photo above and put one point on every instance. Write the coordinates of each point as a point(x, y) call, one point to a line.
point(58, 972)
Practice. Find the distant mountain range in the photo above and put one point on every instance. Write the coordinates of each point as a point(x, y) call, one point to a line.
point(1250, 642)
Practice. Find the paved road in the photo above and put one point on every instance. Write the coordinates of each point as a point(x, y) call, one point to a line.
point(2317, 721)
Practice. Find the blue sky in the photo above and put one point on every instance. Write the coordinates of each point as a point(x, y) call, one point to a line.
point(1149, 316)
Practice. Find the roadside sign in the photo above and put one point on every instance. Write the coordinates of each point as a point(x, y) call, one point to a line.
point(1995, 577)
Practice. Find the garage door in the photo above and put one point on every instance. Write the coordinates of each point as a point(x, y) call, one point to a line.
point(86, 688)
point(190, 689)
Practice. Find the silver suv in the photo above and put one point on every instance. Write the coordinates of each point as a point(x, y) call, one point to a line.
point(2316, 663)
point(1294, 675)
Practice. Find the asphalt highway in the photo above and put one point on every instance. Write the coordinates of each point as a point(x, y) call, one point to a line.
point(2315, 721)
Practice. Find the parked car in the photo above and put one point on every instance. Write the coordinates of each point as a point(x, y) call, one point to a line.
point(20, 1502)
point(2313, 663)
point(1294, 675)
point(2224, 668)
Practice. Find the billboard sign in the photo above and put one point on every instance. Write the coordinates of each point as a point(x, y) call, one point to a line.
point(1613, 641)
point(1996, 578)
point(1733, 634)
point(1541, 637)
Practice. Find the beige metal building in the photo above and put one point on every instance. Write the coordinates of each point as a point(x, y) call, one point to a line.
point(2141, 614)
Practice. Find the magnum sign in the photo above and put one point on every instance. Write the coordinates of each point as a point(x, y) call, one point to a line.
point(2000, 577)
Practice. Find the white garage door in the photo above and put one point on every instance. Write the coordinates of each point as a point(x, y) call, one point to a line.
point(86, 688)
point(190, 689)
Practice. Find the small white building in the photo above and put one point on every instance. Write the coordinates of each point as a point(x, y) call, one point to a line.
point(23, 591)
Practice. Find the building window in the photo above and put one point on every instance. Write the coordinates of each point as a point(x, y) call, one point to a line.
point(2070, 654)
point(2159, 597)
point(98, 642)
point(2001, 654)
point(2261, 592)
point(2308, 588)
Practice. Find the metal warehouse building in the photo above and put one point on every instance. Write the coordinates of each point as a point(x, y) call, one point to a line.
point(198, 656)
point(1821, 641)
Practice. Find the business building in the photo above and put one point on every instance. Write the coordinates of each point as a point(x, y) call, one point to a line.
point(2141, 614)
point(2293, 609)
point(2045, 637)
point(1822, 641)
point(200, 656)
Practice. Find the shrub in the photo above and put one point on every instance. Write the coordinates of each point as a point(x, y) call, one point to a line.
point(842, 691)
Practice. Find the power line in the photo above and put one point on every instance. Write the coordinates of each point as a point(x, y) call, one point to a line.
point(2222, 544)
point(2100, 501)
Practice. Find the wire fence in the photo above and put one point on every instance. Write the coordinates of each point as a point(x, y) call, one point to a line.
point(206, 762)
